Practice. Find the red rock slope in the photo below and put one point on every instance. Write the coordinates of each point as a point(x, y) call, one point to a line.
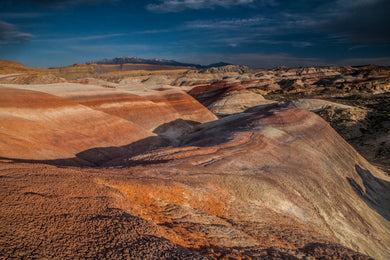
point(224, 98)
point(280, 178)
point(188, 107)
point(36, 125)
point(275, 184)
point(147, 109)
point(61, 120)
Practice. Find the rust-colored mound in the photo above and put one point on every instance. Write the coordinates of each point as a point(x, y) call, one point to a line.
point(130, 107)
point(11, 67)
point(285, 168)
point(209, 93)
point(187, 106)
point(67, 214)
point(149, 109)
point(20, 98)
point(36, 125)
point(276, 184)
point(224, 98)
point(31, 79)
point(10, 63)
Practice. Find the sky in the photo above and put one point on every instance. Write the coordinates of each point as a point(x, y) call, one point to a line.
point(256, 33)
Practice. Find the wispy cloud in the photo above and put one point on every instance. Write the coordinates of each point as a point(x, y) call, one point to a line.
point(227, 24)
point(21, 15)
point(82, 38)
point(111, 48)
point(332, 23)
point(156, 31)
point(69, 3)
point(356, 22)
point(257, 29)
point(365, 61)
point(348, 4)
point(258, 60)
point(275, 23)
point(166, 6)
point(9, 34)
point(56, 52)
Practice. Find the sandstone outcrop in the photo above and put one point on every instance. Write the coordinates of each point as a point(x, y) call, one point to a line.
point(31, 79)
point(227, 68)
point(188, 107)
point(224, 98)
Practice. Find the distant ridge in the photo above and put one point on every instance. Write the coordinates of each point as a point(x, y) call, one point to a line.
point(136, 60)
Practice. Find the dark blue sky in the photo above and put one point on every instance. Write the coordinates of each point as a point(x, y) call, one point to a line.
point(258, 33)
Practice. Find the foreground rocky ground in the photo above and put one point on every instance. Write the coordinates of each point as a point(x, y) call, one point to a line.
point(132, 165)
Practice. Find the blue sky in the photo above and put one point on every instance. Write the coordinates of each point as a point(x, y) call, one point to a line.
point(257, 33)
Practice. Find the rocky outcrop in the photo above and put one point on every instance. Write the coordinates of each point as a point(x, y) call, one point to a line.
point(227, 68)
point(188, 107)
point(147, 109)
point(31, 79)
point(262, 171)
point(170, 181)
point(224, 98)
point(74, 72)
point(11, 67)
point(277, 183)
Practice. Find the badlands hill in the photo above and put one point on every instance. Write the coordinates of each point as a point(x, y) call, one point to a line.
point(136, 165)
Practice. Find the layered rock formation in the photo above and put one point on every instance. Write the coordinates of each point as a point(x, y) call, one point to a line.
point(36, 125)
point(227, 68)
point(65, 119)
point(224, 98)
point(279, 183)
point(273, 164)
point(31, 78)
point(164, 178)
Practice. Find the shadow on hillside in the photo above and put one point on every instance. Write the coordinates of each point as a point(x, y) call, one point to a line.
point(66, 162)
point(167, 136)
point(96, 157)
point(375, 193)
point(101, 155)
point(313, 250)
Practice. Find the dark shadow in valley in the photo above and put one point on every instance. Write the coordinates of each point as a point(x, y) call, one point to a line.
point(375, 191)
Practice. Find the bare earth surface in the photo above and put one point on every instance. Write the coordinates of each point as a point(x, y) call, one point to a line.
point(100, 169)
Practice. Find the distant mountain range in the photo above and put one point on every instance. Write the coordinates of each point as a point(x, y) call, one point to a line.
point(136, 60)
